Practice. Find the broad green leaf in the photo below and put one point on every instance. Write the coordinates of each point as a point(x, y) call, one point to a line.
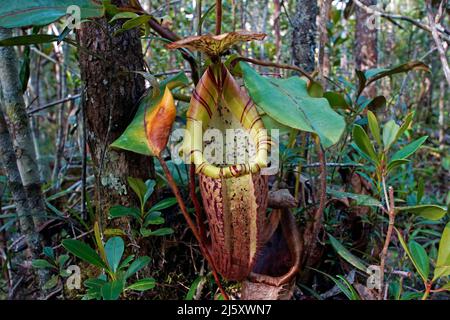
point(158, 232)
point(374, 127)
point(419, 255)
point(390, 131)
point(336, 100)
point(361, 199)
point(347, 255)
point(28, 40)
point(112, 290)
point(363, 142)
point(163, 204)
point(24, 13)
point(395, 163)
point(84, 252)
point(153, 218)
point(288, 102)
point(121, 211)
point(428, 211)
point(137, 265)
point(405, 247)
point(409, 149)
point(143, 285)
point(443, 259)
point(150, 188)
point(114, 248)
point(138, 187)
point(134, 137)
point(42, 264)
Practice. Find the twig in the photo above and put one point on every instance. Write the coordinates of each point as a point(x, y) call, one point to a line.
point(54, 103)
point(218, 17)
point(387, 241)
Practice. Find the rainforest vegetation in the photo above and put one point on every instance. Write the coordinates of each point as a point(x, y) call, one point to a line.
point(215, 150)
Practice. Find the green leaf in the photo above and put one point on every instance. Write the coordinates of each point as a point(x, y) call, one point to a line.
point(395, 163)
point(428, 211)
point(288, 102)
point(193, 288)
point(376, 74)
point(94, 283)
point(374, 127)
point(347, 255)
point(446, 286)
point(158, 232)
point(405, 125)
point(336, 100)
point(51, 283)
point(42, 264)
point(24, 13)
point(125, 263)
point(163, 204)
point(121, 211)
point(114, 248)
point(114, 232)
point(363, 142)
point(315, 89)
point(419, 255)
point(390, 131)
point(28, 40)
point(361, 199)
point(137, 265)
point(112, 290)
point(143, 285)
point(135, 22)
point(84, 252)
point(134, 138)
point(124, 15)
point(62, 259)
point(150, 184)
point(49, 252)
point(409, 149)
point(405, 247)
point(138, 187)
point(443, 259)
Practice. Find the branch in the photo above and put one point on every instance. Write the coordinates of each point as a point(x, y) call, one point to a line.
point(387, 241)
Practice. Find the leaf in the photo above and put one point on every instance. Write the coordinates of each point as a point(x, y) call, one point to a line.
point(158, 232)
point(446, 286)
point(98, 240)
point(150, 184)
point(123, 15)
point(136, 22)
point(193, 288)
point(126, 262)
point(288, 102)
point(443, 259)
point(24, 13)
point(114, 232)
point(395, 163)
point(112, 290)
point(28, 40)
point(390, 131)
point(121, 211)
point(84, 252)
point(315, 89)
point(62, 259)
point(94, 283)
point(336, 100)
point(143, 285)
point(114, 248)
point(419, 255)
point(138, 187)
point(374, 127)
point(376, 74)
point(347, 255)
point(163, 204)
point(427, 211)
point(42, 264)
point(405, 247)
point(405, 125)
point(134, 137)
point(49, 252)
point(137, 265)
point(361, 199)
point(153, 218)
point(362, 141)
point(409, 149)
point(51, 283)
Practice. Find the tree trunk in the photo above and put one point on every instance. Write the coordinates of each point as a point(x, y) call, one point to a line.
point(14, 107)
point(324, 59)
point(366, 52)
point(112, 91)
point(304, 34)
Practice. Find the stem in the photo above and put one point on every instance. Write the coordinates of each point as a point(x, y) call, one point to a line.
point(427, 291)
point(391, 212)
point(191, 224)
point(218, 17)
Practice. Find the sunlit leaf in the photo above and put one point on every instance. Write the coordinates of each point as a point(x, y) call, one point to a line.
point(428, 211)
point(409, 149)
point(443, 259)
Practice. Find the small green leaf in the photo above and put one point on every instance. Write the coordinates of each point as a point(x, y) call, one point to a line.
point(42, 264)
point(28, 40)
point(49, 252)
point(153, 218)
point(315, 89)
point(112, 290)
point(193, 288)
point(361, 199)
point(405, 247)
point(124, 15)
point(51, 283)
point(84, 252)
point(396, 163)
point(94, 283)
point(121, 211)
point(409, 149)
point(135, 22)
point(363, 142)
point(114, 248)
point(137, 265)
point(390, 131)
point(419, 255)
point(143, 285)
point(150, 188)
point(138, 187)
point(443, 259)
point(62, 259)
point(163, 204)
point(347, 255)
point(336, 100)
point(428, 211)
point(125, 263)
point(114, 232)
point(405, 125)
point(374, 127)
point(158, 232)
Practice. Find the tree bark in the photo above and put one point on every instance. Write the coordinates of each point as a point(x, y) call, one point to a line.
point(366, 51)
point(112, 91)
point(324, 60)
point(304, 34)
point(14, 108)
